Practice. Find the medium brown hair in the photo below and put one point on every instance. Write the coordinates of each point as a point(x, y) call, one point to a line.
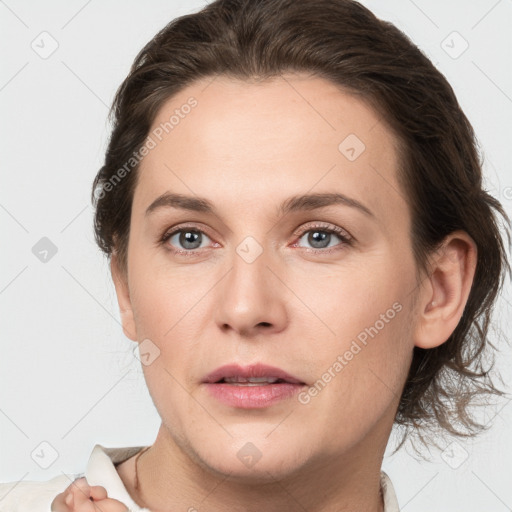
point(440, 170)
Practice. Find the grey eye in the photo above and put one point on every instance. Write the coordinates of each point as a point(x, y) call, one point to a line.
point(319, 238)
point(188, 239)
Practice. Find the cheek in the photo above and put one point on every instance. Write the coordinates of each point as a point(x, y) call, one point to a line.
point(362, 356)
point(173, 309)
point(360, 378)
point(359, 299)
point(165, 300)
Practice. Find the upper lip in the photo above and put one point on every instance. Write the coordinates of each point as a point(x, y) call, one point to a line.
point(255, 370)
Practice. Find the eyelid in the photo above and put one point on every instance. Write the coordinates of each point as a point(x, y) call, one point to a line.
point(196, 226)
point(324, 226)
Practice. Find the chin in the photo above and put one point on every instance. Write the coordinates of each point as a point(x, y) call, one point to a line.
point(259, 474)
point(259, 461)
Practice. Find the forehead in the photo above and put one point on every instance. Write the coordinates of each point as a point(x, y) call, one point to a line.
point(254, 144)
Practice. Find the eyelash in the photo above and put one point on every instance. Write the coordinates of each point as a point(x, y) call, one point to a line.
point(346, 240)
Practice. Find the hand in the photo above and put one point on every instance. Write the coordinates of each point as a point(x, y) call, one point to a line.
point(81, 497)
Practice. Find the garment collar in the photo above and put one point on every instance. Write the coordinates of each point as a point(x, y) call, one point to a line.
point(101, 471)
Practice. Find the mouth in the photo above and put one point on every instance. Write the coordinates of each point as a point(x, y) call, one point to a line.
point(256, 374)
point(251, 387)
point(250, 381)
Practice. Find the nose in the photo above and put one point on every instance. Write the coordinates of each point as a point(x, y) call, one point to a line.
point(252, 297)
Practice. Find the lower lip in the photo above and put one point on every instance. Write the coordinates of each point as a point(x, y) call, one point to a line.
point(252, 397)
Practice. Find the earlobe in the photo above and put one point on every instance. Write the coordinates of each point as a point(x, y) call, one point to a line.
point(445, 294)
point(123, 299)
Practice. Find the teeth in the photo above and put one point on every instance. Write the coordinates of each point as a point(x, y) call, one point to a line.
point(254, 381)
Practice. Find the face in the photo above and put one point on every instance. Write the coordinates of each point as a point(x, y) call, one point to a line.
point(321, 289)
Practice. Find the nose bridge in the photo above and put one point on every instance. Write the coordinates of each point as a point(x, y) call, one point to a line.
point(250, 250)
point(249, 265)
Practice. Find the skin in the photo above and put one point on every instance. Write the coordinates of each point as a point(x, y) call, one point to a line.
point(246, 147)
point(81, 497)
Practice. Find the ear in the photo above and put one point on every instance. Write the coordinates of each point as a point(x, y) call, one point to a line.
point(446, 290)
point(123, 298)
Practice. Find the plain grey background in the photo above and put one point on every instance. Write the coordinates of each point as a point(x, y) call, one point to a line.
point(69, 376)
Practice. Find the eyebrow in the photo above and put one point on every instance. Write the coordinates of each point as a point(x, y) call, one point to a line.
point(296, 203)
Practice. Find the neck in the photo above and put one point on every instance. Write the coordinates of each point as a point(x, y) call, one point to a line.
point(171, 477)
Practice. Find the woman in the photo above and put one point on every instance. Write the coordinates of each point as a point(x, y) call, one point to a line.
point(292, 206)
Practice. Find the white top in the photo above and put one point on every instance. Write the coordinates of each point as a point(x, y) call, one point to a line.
point(38, 496)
